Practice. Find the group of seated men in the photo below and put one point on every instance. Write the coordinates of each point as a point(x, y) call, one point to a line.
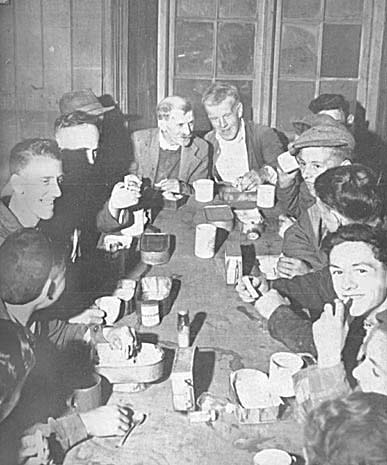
point(330, 299)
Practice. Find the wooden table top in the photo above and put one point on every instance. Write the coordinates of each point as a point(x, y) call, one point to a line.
point(231, 336)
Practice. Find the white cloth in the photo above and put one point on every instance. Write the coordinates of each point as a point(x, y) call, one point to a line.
point(233, 161)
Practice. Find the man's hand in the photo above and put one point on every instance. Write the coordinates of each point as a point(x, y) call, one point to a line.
point(250, 181)
point(34, 448)
point(169, 185)
point(91, 316)
point(124, 196)
point(123, 338)
point(329, 334)
point(285, 180)
point(109, 420)
point(288, 267)
point(259, 283)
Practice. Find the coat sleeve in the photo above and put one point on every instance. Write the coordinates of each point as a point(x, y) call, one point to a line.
point(299, 244)
point(309, 291)
point(60, 333)
point(271, 146)
point(106, 223)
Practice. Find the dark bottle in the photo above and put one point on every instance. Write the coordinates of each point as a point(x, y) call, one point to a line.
point(183, 328)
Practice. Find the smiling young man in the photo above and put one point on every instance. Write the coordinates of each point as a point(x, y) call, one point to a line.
point(171, 157)
point(357, 276)
point(241, 149)
point(36, 175)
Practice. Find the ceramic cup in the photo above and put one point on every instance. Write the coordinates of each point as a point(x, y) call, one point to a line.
point(111, 305)
point(137, 227)
point(86, 398)
point(205, 240)
point(283, 365)
point(204, 190)
point(265, 196)
point(272, 457)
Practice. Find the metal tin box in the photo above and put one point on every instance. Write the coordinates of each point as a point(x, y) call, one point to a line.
point(155, 248)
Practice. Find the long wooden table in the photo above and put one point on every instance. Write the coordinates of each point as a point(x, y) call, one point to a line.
point(232, 336)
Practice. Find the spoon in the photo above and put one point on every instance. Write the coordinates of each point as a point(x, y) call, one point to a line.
point(135, 423)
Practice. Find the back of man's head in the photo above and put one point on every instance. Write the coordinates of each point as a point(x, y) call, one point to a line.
point(24, 152)
point(329, 102)
point(348, 431)
point(218, 92)
point(352, 191)
point(168, 104)
point(26, 260)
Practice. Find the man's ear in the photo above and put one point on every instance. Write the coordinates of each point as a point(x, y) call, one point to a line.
point(42, 301)
point(17, 184)
point(346, 162)
point(240, 110)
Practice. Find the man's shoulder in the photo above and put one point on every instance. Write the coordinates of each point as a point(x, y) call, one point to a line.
point(144, 134)
point(258, 128)
point(202, 146)
point(210, 136)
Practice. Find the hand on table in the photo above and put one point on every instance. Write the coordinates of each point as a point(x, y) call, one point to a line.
point(108, 420)
point(249, 181)
point(259, 283)
point(288, 267)
point(169, 185)
point(123, 338)
point(34, 448)
point(329, 334)
point(91, 316)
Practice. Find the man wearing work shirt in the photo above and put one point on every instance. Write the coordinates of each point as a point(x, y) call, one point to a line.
point(244, 153)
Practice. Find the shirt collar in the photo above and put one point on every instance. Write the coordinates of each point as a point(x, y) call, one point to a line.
point(165, 145)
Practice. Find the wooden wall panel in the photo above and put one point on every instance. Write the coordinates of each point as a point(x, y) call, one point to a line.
point(47, 47)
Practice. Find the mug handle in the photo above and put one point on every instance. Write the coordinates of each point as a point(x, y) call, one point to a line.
point(307, 356)
point(71, 402)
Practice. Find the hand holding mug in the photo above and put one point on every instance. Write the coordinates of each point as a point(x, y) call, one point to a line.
point(108, 420)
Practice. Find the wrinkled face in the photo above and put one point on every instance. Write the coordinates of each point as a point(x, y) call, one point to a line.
point(358, 275)
point(225, 117)
point(314, 161)
point(39, 186)
point(331, 218)
point(371, 372)
point(177, 130)
point(337, 114)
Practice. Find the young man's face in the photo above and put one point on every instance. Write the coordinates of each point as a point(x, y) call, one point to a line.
point(177, 130)
point(225, 118)
point(371, 372)
point(314, 161)
point(39, 185)
point(359, 276)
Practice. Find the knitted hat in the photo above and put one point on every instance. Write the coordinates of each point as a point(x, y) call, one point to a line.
point(328, 102)
point(82, 100)
point(325, 135)
point(26, 259)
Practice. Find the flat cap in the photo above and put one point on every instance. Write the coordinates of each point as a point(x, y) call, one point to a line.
point(325, 135)
point(329, 102)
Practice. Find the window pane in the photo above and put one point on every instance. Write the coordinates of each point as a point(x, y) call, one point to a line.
point(246, 95)
point(235, 48)
point(292, 103)
point(344, 9)
point(346, 88)
point(340, 52)
point(298, 55)
point(194, 47)
point(193, 91)
point(196, 8)
point(239, 9)
point(301, 8)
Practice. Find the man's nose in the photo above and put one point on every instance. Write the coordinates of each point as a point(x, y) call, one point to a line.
point(307, 172)
point(55, 190)
point(186, 130)
point(222, 122)
point(348, 281)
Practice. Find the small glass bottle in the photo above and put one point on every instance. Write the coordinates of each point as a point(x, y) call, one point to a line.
point(183, 328)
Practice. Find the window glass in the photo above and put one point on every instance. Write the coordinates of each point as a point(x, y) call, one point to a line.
point(194, 47)
point(239, 9)
point(235, 48)
point(340, 51)
point(302, 9)
point(206, 8)
point(344, 9)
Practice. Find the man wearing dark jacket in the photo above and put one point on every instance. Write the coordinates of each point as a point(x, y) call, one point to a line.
point(240, 149)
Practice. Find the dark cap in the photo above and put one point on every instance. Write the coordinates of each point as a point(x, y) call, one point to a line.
point(26, 259)
point(325, 135)
point(329, 102)
point(82, 100)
